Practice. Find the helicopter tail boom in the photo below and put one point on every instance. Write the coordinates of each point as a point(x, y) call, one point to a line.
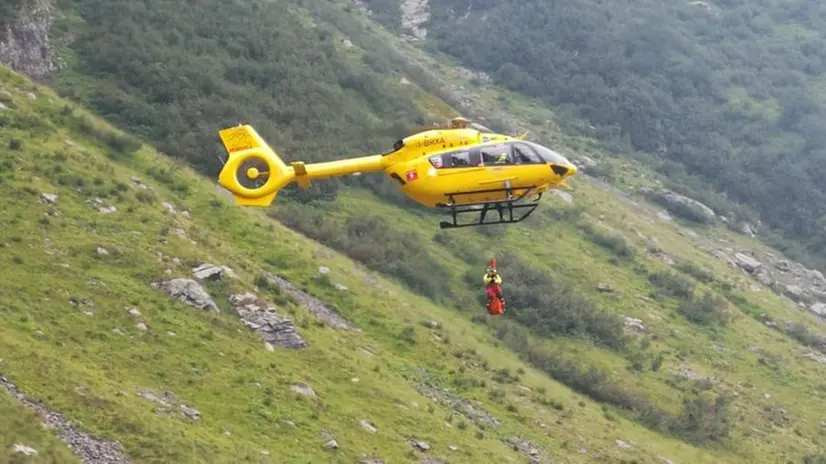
point(255, 173)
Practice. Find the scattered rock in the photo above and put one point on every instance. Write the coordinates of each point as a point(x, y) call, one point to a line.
point(84, 302)
point(324, 270)
point(586, 162)
point(20, 448)
point(816, 357)
point(685, 371)
point(422, 445)
point(747, 263)
point(793, 291)
point(745, 228)
point(208, 271)
point(316, 307)
point(305, 390)
point(169, 400)
point(680, 204)
point(634, 324)
point(526, 448)
point(623, 444)
point(818, 309)
point(603, 287)
point(273, 328)
point(89, 448)
point(50, 198)
point(368, 426)
point(189, 412)
point(100, 251)
point(472, 412)
point(188, 291)
point(332, 444)
point(719, 254)
point(141, 326)
point(169, 208)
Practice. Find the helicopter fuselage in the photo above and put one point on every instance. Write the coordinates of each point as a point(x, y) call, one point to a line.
point(460, 166)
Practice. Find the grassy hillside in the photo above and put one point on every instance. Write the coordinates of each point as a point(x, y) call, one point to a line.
point(80, 330)
point(76, 268)
point(731, 377)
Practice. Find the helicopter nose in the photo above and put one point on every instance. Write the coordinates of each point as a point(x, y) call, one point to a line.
point(561, 170)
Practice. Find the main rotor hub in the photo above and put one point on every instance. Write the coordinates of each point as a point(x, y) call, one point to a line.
point(253, 173)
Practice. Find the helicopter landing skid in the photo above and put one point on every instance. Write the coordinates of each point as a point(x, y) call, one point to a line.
point(505, 208)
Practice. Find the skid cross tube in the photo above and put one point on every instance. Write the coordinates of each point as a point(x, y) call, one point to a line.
point(500, 206)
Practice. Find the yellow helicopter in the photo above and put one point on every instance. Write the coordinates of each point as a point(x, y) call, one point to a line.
point(462, 168)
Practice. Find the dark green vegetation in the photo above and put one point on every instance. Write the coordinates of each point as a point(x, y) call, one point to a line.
point(10, 10)
point(172, 72)
point(725, 98)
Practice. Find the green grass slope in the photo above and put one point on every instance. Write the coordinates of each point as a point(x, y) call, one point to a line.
point(69, 342)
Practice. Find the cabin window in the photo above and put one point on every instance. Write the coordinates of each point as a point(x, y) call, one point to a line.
point(524, 154)
point(496, 155)
point(459, 159)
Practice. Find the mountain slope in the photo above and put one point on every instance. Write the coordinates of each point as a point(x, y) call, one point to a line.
point(553, 265)
point(727, 95)
point(79, 269)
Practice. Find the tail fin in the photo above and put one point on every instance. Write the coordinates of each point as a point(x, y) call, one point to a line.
point(254, 173)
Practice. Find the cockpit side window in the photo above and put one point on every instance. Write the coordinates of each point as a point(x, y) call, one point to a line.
point(548, 155)
point(524, 154)
point(496, 155)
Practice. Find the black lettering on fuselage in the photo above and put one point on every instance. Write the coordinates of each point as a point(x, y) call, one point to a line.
point(431, 142)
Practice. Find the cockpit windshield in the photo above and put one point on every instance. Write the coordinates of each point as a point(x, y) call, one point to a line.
point(548, 155)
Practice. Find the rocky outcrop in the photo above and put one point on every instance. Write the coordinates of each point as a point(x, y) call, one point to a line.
point(806, 287)
point(262, 318)
point(681, 205)
point(188, 291)
point(91, 450)
point(462, 406)
point(321, 311)
point(414, 16)
point(24, 44)
point(207, 271)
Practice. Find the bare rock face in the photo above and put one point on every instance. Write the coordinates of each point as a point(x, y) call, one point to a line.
point(262, 318)
point(315, 306)
point(207, 271)
point(747, 263)
point(188, 291)
point(25, 46)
